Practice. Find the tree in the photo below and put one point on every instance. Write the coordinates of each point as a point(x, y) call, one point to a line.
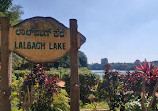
point(143, 83)
point(14, 13)
point(108, 88)
point(96, 66)
point(8, 10)
point(4, 5)
point(65, 61)
point(82, 59)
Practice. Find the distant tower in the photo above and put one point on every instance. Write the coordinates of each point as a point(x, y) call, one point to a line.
point(104, 61)
point(145, 60)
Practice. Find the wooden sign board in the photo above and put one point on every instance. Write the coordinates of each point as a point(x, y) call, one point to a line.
point(41, 39)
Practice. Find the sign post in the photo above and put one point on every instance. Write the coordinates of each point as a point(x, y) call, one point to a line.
point(39, 40)
point(6, 66)
point(74, 80)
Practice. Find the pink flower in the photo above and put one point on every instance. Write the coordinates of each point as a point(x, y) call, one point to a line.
point(150, 70)
point(145, 68)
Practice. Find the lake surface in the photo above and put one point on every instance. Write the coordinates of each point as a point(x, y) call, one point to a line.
point(101, 72)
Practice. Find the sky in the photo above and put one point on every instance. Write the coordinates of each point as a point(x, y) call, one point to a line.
point(119, 30)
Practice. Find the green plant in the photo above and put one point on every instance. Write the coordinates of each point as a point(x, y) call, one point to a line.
point(37, 90)
point(149, 84)
point(108, 89)
point(61, 101)
point(87, 83)
point(133, 106)
point(95, 106)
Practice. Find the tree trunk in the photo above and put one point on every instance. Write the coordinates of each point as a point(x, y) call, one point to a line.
point(153, 96)
point(143, 95)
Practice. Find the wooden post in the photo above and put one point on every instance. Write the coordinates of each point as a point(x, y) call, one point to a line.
point(74, 79)
point(6, 66)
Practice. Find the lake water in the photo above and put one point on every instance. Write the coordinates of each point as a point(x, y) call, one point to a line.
point(101, 72)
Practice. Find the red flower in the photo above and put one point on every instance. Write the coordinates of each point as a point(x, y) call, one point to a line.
point(145, 68)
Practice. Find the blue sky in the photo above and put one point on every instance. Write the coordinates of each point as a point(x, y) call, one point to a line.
point(120, 30)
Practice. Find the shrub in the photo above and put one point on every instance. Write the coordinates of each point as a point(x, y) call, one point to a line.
point(36, 92)
point(87, 82)
point(61, 101)
point(108, 89)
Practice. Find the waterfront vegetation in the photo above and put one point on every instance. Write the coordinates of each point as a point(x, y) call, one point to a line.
point(42, 89)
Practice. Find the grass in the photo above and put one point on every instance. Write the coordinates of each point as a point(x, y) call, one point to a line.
point(96, 105)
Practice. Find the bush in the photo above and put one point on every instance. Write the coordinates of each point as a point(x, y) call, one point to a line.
point(61, 101)
point(133, 106)
point(87, 83)
point(37, 90)
point(108, 89)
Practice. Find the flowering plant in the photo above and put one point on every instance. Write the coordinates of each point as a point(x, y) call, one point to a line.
point(38, 89)
point(143, 82)
point(150, 76)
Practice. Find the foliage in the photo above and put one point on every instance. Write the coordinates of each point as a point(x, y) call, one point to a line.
point(117, 66)
point(93, 106)
point(60, 101)
point(96, 105)
point(13, 12)
point(84, 70)
point(133, 106)
point(96, 66)
point(65, 61)
point(37, 89)
point(4, 5)
point(82, 59)
point(16, 84)
point(115, 89)
point(20, 63)
point(118, 90)
point(150, 73)
point(88, 80)
point(143, 84)
point(123, 66)
point(131, 81)
point(108, 89)
point(87, 83)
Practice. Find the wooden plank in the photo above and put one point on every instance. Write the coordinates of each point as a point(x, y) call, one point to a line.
point(74, 80)
point(6, 66)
